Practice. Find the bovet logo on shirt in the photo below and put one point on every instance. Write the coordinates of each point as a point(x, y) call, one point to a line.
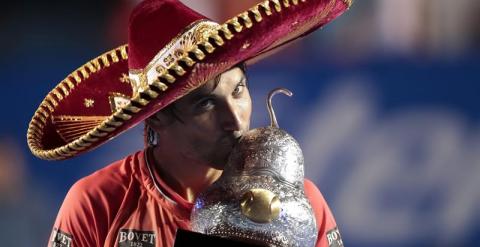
point(135, 238)
point(334, 238)
point(60, 238)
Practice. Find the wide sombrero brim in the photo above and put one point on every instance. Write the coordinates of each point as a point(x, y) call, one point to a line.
point(96, 102)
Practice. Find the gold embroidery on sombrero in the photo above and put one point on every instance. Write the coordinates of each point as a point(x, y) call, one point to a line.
point(60, 92)
point(245, 45)
point(190, 37)
point(138, 85)
point(118, 101)
point(88, 102)
point(135, 87)
point(161, 69)
point(125, 79)
point(202, 72)
point(348, 2)
point(71, 127)
point(195, 34)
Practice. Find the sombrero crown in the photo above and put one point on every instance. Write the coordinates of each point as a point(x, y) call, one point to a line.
point(171, 51)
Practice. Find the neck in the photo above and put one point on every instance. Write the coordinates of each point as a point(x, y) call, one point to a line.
point(186, 177)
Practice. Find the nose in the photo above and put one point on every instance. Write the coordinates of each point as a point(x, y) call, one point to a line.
point(232, 117)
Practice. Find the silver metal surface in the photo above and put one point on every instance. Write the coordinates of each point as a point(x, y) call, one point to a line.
point(267, 163)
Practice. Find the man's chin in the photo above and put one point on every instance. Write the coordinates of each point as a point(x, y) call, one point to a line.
point(221, 155)
point(217, 166)
point(219, 163)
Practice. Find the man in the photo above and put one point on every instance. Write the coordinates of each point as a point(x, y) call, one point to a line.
point(189, 85)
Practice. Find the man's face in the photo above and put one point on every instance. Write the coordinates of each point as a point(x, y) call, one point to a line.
point(211, 120)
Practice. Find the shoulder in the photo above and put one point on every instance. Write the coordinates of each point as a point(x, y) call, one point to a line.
point(323, 215)
point(105, 186)
point(314, 195)
point(319, 205)
point(111, 179)
point(93, 201)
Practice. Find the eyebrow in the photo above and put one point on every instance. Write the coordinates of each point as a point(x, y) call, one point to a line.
point(199, 95)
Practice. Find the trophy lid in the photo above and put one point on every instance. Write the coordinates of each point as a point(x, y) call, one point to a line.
point(269, 151)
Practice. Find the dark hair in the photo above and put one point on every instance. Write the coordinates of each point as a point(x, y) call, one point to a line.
point(150, 136)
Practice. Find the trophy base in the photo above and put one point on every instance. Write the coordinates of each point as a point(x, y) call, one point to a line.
point(186, 238)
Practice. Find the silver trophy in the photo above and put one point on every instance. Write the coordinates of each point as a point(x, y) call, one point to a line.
point(260, 197)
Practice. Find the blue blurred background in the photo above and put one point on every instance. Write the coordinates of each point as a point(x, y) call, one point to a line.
point(385, 107)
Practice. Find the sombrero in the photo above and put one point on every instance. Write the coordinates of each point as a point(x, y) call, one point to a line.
point(171, 51)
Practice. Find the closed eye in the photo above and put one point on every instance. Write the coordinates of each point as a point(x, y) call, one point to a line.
point(205, 104)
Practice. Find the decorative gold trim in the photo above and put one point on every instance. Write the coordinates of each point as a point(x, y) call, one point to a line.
point(246, 19)
point(348, 2)
point(125, 79)
point(218, 40)
point(72, 127)
point(51, 100)
point(256, 14)
point(138, 101)
point(132, 108)
point(198, 53)
point(203, 27)
point(235, 24)
point(266, 7)
point(91, 68)
point(113, 122)
point(43, 112)
point(69, 83)
point(99, 134)
point(58, 95)
point(36, 124)
point(84, 73)
point(113, 104)
point(188, 61)
point(64, 89)
point(105, 61)
point(47, 105)
point(226, 32)
point(60, 92)
point(88, 102)
point(162, 66)
point(276, 5)
point(208, 47)
point(179, 69)
point(150, 93)
point(168, 77)
point(155, 60)
point(159, 85)
point(106, 129)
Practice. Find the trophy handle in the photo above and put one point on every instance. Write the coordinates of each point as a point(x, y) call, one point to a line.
point(271, 112)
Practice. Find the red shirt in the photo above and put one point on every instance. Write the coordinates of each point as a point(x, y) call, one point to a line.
point(120, 205)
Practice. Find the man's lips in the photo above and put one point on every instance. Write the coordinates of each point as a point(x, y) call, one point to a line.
point(230, 140)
